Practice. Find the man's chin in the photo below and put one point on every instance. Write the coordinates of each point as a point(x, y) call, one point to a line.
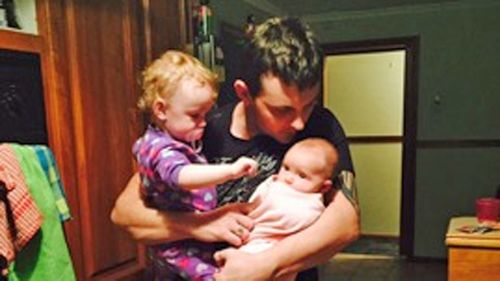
point(285, 138)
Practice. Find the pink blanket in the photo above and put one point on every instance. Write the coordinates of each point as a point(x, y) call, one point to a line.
point(282, 211)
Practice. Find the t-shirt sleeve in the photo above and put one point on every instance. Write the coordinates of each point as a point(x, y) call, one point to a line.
point(340, 141)
point(325, 125)
point(167, 164)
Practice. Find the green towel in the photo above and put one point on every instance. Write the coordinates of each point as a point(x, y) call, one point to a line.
point(48, 163)
point(46, 257)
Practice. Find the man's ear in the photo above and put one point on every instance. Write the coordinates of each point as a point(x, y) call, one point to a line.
point(327, 185)
point(242, 91)
point(160, 109)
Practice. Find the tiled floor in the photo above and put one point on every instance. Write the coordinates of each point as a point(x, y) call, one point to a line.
point(357, 267)
point(374, 246)
point(377, 259)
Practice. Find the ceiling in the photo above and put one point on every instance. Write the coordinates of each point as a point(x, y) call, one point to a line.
point(311, 7)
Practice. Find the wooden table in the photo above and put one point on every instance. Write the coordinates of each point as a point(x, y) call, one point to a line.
point(472, 256)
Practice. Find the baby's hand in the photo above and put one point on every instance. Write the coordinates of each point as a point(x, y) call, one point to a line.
point(244, 166)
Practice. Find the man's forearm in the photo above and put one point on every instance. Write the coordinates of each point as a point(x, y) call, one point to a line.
point(146, 224)
point(158, 226)
point(336, 228)
point(153, 226)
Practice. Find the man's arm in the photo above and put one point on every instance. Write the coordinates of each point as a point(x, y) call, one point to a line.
point(336, 228)
point(153, 226)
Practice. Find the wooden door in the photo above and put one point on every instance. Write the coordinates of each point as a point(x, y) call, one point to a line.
point(93, 53)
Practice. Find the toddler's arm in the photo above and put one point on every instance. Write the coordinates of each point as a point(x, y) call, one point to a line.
point(195, 176)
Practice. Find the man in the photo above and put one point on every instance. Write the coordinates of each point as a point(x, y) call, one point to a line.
point(278, 91)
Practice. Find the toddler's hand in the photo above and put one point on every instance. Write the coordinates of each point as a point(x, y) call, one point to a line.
point(244, 166)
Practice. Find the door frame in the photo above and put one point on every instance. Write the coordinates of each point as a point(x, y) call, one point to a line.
point(411, 47)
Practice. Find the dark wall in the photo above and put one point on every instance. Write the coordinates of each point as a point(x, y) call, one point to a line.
point(230, 18)
point(458, 150)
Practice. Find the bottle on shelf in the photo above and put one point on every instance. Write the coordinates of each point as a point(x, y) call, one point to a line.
point(3, 14)
point(205, 45)
point(204, 38)
point(8, 14)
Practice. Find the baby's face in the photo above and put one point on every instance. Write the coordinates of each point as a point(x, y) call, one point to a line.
point(302, 170)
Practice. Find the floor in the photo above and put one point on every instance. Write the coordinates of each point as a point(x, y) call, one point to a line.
point(374, 260)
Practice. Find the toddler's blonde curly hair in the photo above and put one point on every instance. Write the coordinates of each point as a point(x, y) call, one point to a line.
point(162, 77)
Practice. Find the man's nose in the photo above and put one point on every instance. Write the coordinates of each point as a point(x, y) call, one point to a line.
point(202, 124)
point(298, 123)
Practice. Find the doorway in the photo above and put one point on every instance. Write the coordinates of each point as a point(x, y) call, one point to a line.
point(371, 87)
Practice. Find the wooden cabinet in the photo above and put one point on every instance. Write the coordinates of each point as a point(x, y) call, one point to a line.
point(92, 53)
point(472, 256)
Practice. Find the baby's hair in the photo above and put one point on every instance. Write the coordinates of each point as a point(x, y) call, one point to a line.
point(162, 77)
point(322, 148)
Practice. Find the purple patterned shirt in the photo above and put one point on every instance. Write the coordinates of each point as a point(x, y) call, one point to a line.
point(160, 159)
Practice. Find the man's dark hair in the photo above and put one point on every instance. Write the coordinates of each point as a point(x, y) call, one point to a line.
point(285, 47)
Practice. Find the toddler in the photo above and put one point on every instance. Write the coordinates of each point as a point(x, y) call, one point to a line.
point(178, 91)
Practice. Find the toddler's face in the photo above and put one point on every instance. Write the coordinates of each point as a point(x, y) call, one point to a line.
point(302, 170)
point(187, 108)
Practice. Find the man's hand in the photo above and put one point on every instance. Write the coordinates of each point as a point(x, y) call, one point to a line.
point(228, 223)
point(237, 265)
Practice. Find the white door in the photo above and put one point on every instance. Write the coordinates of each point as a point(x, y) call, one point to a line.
point(366, 93)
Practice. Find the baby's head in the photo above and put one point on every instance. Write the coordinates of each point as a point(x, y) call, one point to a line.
point(309, 165)
point(178, 91)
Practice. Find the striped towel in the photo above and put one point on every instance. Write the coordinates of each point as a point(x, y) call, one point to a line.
point(26, 216)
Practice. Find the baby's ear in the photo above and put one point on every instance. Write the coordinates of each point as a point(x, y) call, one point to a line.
point(327, 185)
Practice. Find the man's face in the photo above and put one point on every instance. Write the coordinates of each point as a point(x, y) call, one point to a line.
point(281, 110)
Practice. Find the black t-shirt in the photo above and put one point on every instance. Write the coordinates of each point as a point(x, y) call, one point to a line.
point(219, 146)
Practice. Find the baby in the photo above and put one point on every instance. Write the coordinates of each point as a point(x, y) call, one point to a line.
point(178, 91)
point(293, 199)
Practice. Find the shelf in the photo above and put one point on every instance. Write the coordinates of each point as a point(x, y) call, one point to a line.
point(454, 237)
point(18, 41)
